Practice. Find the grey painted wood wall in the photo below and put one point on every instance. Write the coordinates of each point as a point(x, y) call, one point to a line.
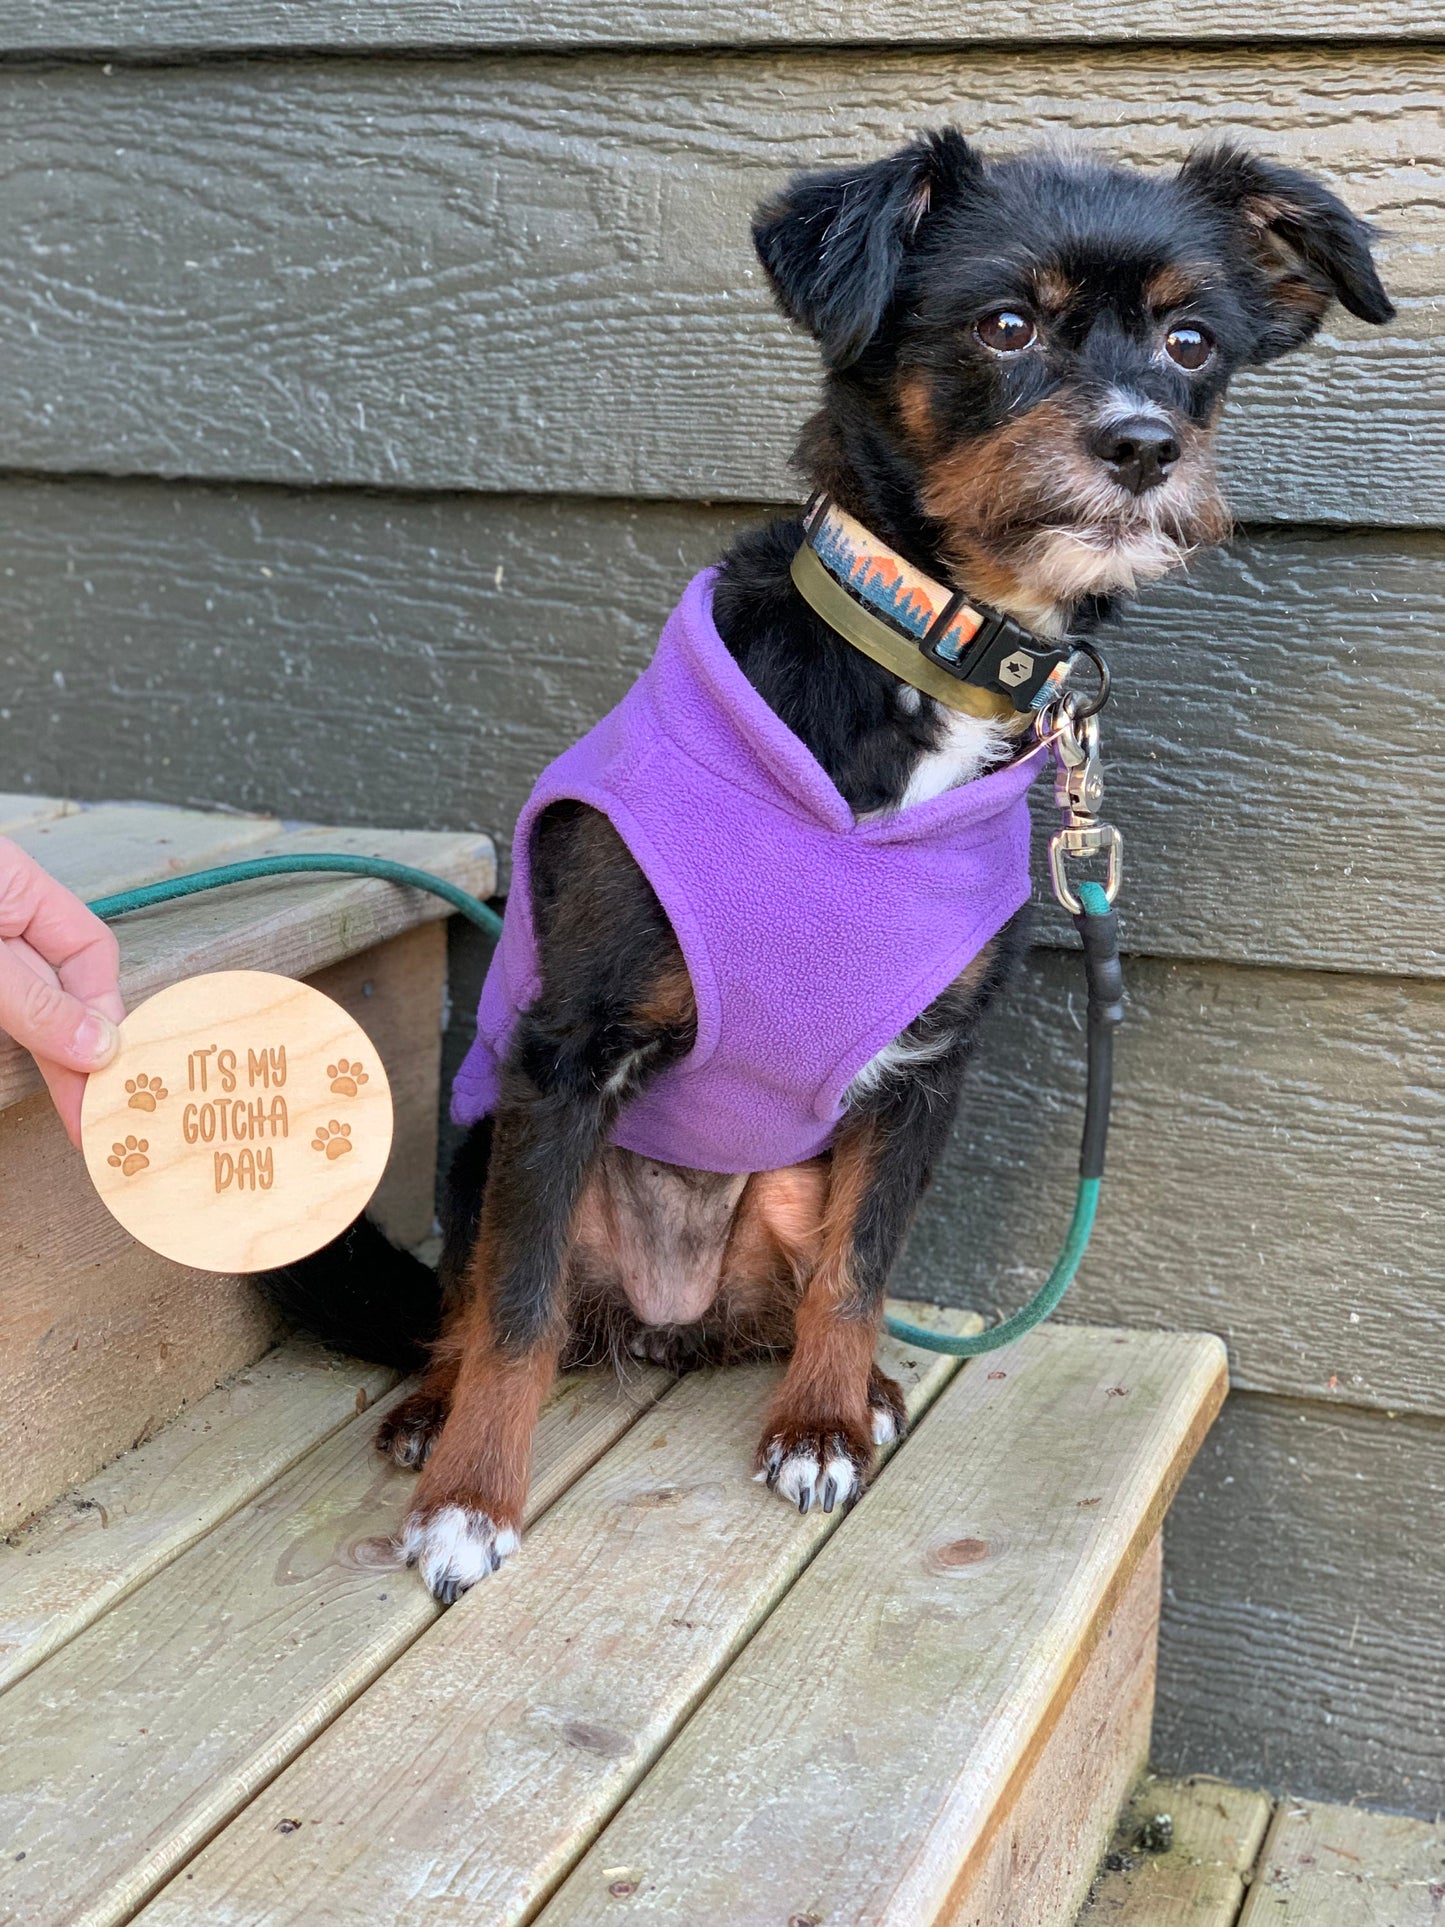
point(374, 377)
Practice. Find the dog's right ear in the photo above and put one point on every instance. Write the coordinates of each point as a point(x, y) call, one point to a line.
point(833, 243)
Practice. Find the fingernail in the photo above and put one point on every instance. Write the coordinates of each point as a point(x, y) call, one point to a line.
point(95, 1040)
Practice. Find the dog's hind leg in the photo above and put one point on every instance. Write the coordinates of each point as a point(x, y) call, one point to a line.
point(834, 1406)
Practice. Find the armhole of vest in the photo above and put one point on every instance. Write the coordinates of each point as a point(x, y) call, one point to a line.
point(685, 927)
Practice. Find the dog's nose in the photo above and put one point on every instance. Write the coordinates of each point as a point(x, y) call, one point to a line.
point(1139, 452)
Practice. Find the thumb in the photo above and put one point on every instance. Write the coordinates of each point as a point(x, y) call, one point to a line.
point(49, 1022)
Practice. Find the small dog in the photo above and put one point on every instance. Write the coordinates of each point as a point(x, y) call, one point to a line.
point(1026, 360)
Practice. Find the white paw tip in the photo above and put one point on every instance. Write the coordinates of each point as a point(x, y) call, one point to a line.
point(844, 1478)
point(455, 1547)
point(797, 1480)
point(885, 1426)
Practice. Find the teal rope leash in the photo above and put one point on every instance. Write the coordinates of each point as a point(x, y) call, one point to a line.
point(124, 901)
point(1097, 927)
point(1099, 930)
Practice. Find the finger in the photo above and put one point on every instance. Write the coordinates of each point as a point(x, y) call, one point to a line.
point(67, 1089)
point(71, 938)
point(47, 1020)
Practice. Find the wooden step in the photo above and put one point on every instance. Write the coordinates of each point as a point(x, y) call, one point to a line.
point(113, 1533)
point(1180, 1857)
point(1330, 1866)
point(680, 1695)
point(127, 1748)
point(883, 1751)
point(625, 1605)
point(103, 1340)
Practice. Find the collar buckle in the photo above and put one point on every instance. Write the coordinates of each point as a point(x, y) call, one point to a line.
point(1001, 654)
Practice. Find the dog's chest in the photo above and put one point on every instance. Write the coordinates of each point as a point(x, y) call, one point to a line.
point(965, 747)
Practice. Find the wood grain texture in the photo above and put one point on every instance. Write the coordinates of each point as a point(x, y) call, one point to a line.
point(1271, 1172)
point(129, 1747)
point(17, 809)
point(1215, 1832)
point(166, 27)
point(862, 1715)
point(117, 1530)
point(1043, 1852)
point(1327, 1866)
point(291, 925)
point(485, 274)
point(104, 847)
point(477, 1786)
point(103, 1341)
point(1301, 1644)
point(1270, 748)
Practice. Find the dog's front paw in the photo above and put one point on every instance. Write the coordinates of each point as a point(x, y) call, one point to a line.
point(806, 1466)
point(453, 1546)
point(408, 1433)
point(887, 1412)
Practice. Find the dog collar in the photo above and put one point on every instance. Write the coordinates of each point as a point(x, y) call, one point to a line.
point(972, 658)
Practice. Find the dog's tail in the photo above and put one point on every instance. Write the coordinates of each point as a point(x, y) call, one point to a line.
point(361, 1295)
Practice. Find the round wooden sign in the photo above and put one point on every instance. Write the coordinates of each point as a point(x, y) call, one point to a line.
point(244, 1122)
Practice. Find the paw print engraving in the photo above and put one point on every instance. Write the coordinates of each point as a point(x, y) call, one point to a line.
point(333, 1138)
point(346, 1078)
point(145, 1092)
point(130, 1157)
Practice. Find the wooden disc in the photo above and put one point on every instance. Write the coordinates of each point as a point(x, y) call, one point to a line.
point(245, 1121)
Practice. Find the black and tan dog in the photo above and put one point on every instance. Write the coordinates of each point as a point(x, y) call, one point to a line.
point(1026, 360)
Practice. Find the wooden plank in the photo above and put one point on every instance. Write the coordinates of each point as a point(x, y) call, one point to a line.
point(131, 1746)
point(1045, 1848)
point(287, 924)
point(1338, 1867)
point(115, 846)
point(1180, 1855)
point(17, 808)
point(165, 27)
point(1300, 1639)
point(420, 688)
point(117, 1530)
point(571, 303)
point(929, 1650)
point(1271, 1172)
point(634, 1593)
point(104, 1341)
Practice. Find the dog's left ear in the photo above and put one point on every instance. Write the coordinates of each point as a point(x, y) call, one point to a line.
point(833, 243)
point(1310, 246)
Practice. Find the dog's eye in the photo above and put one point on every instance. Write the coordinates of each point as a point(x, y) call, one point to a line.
point(1005, 332)
point(1190, 347)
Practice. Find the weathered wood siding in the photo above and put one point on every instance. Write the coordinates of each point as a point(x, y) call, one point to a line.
point(363, 414)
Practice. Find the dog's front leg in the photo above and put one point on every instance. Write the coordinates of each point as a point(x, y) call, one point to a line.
point(615, 1010)
point(834, 1406)
point(504, 1340)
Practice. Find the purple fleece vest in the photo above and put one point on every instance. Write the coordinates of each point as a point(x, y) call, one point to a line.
point(811, 939)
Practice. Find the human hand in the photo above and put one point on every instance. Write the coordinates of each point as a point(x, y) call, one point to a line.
point(59, 980)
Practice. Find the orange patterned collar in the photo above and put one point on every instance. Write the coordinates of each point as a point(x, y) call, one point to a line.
point(967, 656)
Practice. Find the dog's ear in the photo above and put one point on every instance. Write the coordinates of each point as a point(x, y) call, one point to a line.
point(1310, 246)
point(833, 242)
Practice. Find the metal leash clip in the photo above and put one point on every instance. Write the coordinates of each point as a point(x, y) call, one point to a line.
point(1078, 791)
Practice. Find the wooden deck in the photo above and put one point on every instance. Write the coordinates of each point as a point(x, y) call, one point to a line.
point(680, 1695)
point(1201, 1853)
